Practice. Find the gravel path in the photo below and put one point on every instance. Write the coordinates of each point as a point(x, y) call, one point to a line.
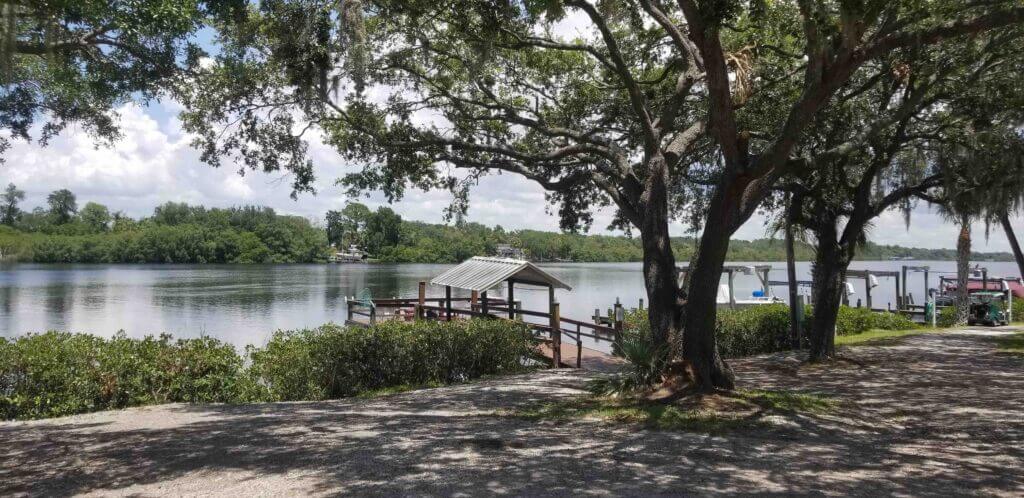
point(932, 415)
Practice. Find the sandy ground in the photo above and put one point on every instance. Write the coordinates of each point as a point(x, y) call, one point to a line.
point(932, 415)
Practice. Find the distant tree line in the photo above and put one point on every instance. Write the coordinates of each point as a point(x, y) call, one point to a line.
point(175, 233)
point(61, 232)
point(389, 238)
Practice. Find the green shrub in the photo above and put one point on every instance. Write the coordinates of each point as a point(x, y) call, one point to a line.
point(645, 363)
point(753, 330)
point(852, 321)
point(740, 332)
point(1018, 310)
point(766, 328)
point(947, 317)
point(333, 361)
point(49, 375)
point(58, 373)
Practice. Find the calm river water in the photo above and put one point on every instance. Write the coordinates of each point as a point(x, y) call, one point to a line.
point(243, 304)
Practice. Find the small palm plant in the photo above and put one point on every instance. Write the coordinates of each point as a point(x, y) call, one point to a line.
point(645, 363)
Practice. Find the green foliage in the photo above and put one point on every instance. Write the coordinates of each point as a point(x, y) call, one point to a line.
point(75, 62)
point(176, 233)
point(332, 361)
point(1018, 310)
point(62, 205)
point(765, 329)
point(645, 362)
point(55, 373)
point(851, 321)
point(96, 217)
point(9, 211)
point(947, 317)
point(739, 332)
point(432, 243)
point(877, 337)
point(753, 330)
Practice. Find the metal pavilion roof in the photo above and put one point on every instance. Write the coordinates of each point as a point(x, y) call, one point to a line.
point(482, 273)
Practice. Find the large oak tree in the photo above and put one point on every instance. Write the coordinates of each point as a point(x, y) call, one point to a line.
point(874, 150)
point(660, 109)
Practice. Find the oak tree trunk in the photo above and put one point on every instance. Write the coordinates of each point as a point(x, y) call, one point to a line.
point(828, 275)
point(1004, 218)
point(659, 261)
point(963, 262)
point(699, 345)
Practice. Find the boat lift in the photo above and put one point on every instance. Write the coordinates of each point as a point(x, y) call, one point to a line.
point(761, 271)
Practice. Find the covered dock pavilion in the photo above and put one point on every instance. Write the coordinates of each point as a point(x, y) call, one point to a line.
point(480, 275)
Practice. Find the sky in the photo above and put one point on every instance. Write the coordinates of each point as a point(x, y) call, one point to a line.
point(153, 163)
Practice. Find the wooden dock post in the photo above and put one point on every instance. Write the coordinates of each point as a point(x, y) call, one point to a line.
point(448, 302)
point(618, 319)
point(421, 300)
point(474, 296)
point(901, 301)
point(732, 290)
point(511, 297)
point(867, 290)
point(556, 335)
point(484, 306)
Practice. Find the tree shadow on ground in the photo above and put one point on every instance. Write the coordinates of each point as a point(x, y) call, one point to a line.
point(935, 415)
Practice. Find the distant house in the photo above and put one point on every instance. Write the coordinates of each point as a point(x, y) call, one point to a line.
point(507, 251)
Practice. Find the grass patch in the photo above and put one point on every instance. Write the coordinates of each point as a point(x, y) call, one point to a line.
point(880, 337)
point(708, 414)
point(785, 401)
point(1011, 344)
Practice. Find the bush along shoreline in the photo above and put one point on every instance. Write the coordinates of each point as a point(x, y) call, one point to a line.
point(58, 373)
point(766, 328)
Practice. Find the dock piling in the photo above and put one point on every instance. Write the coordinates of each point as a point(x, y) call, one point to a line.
point(556, 335)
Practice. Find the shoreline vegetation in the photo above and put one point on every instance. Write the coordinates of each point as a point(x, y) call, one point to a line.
point(59, 373)
point(182, 233)
point(54, 373)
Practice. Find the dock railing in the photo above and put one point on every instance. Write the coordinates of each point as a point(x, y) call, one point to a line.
point(550, 327)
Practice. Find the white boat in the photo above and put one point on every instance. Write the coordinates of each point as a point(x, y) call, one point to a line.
point(758, 298)
point(353, 255)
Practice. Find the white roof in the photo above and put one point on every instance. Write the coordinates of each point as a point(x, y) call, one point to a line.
point(481, 273)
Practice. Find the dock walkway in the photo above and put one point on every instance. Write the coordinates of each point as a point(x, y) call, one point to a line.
point(592, 360)
point(569, 337)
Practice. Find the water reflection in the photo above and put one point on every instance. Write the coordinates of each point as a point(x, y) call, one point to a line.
point(245, 304)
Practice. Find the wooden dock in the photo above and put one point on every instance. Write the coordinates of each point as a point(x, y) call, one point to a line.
point(569, 339)
point(591, 360)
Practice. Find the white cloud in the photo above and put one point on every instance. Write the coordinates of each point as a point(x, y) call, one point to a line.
point(154, 163)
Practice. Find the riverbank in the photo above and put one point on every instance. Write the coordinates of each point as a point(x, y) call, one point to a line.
point(924, 416)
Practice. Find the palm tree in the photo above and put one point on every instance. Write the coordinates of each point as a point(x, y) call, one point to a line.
point(1004, 219)
point(1005, 195)
point(983, 180)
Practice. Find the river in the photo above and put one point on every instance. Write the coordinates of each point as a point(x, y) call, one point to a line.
point(244, 304)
